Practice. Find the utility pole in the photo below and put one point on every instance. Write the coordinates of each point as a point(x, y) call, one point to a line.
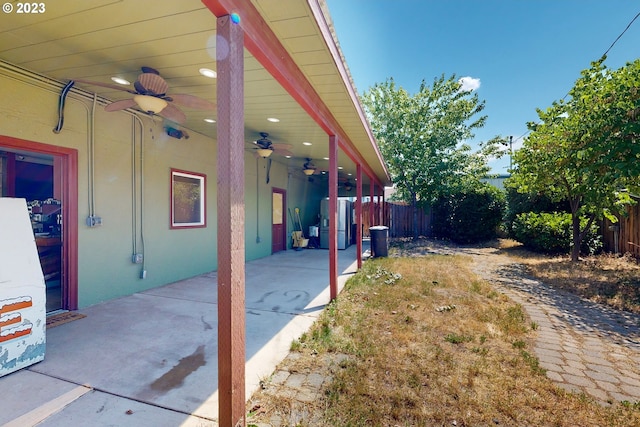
point(510, 153)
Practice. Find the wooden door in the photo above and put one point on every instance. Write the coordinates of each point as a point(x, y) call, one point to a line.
point(278, 221)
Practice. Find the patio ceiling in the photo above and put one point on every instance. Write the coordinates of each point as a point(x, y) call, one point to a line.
point(99, 39)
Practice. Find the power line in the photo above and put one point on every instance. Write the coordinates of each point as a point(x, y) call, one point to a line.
point(603, 57)
point(621, 34)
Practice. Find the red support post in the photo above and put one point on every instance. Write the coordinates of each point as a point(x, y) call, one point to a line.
point(381, 205)
point(359, 214)
point(333, 217)
point(230, 204)
point(385, 218)
point(372, 192)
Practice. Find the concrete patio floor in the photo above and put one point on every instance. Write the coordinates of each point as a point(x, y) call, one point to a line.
point(150, 359)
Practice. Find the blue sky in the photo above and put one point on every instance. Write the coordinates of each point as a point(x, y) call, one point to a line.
point(525, 53)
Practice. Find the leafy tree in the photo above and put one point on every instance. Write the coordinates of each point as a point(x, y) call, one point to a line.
point(421, 135)
point(584, 149)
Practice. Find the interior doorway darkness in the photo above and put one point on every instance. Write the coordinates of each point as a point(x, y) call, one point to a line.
point(46, 177)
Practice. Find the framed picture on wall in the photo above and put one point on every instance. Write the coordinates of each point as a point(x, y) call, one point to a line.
point(188, 199)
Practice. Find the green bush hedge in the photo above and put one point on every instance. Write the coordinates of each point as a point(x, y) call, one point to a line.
point(518, 203)
point(552, 233)
point(469, 216)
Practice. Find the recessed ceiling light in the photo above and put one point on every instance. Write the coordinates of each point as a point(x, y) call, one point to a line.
point(326, 158)
point(349, 174)
point(209, 120)
point(340, 167)
point(306, 143)
point(273, 119)
point(288, 157)
point(120, 81)
point(207, 72)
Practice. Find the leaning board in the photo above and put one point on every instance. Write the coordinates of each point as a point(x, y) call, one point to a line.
point(22, 290)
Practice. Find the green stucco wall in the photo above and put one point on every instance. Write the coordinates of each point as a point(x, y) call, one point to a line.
point(28, 110)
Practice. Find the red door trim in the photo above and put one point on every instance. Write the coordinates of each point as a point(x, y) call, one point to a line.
point(68, 159)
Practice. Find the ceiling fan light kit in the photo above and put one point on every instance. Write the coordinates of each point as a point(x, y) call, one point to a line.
point(308, 168)
point(150, 104)
point(265, 148)
point(264, 152)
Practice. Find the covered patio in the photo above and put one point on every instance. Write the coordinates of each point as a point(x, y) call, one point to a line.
point(150, 359)
point(253, 111)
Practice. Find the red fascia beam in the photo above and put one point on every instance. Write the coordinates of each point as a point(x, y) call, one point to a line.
point(337, 58)
point(265, 46)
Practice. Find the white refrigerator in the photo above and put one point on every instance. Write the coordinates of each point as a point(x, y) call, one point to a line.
point(22, 290)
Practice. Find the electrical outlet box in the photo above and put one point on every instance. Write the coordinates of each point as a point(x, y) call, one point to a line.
point(137, 258)
point(94, 221)
point(143, 274)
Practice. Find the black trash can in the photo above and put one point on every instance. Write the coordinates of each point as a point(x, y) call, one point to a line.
point(379, 241)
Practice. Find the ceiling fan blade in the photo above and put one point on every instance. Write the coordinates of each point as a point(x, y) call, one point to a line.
point(151, 83)
point(281, 146)
point(120, 105)
point(173, 113)
point(282, 152)
point(191, 101)
point(107, 85)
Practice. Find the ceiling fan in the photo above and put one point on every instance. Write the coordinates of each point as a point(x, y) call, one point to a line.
point(150, 95)
point(345, 183)
point(265, 147)
point(308, 168)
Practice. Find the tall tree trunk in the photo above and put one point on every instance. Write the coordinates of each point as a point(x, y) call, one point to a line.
point(414, 206)
point(577, 238)
point(574, 203)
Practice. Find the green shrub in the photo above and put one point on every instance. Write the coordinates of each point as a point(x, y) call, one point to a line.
point(469, 216)
point(552, 233)
point(517, 203)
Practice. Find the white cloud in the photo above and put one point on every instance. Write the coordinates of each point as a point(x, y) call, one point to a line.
point(469, 83)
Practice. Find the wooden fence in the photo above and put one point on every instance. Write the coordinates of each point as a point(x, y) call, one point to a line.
point(623, 237)
point(398, 217)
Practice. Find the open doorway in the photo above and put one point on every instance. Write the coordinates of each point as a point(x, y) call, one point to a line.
point(43, 175)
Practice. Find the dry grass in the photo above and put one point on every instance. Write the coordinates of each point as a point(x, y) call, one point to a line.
point(605, 279)
point(429, 343)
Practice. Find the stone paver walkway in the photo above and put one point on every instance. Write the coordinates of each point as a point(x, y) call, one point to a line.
point(585, 347)
point(297, 391)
